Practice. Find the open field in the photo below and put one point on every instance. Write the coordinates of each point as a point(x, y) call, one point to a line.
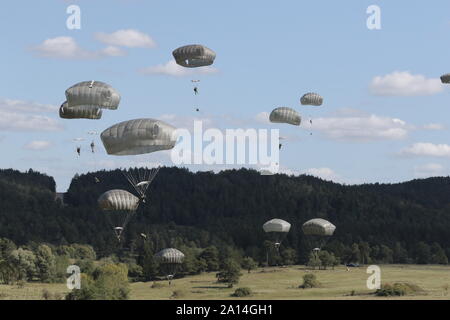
point(273, 283)
point(282, 283)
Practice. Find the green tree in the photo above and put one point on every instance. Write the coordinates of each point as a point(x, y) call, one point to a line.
point(327, 259)
point(386, 254)
point(314, 260)
point(24, 261)
point(289, 256)
point(229, 273)
point(423, 253)
point(438, 255)
point(400, 255)
point(364, 249)
point(211, 257)
point(356, 253)
point(249, 264)
point(46, 263)
point(111, 282)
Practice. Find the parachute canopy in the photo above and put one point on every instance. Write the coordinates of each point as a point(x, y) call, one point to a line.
point(195, 55)
point(79, 112)
point(117, 200)
point(285, 115)
point(170, 256)
point(445, 78)
point(276, 225)
point(312, 99)
point(318, 227)
point(138, 136)
point(93, 93)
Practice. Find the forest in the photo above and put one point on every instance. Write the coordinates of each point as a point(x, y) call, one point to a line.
point(214, 216)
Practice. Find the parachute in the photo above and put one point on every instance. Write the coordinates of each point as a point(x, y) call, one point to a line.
point(445, 78)
point(317, 231)
point(193, 56)
point(93, 93)
point(135, 137)
point(277, 229)
point(311, 99)
point(140, 179)
point(119, 205)
point(318, 227)
point(285, 115)
point(79, 112)
point(169, 260)
point(138, 136)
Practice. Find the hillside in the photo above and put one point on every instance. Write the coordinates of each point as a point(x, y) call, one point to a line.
point(411, 219)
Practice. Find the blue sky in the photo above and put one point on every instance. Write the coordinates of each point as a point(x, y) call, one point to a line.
point(385, 116)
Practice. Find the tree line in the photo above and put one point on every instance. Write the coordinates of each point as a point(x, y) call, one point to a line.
point(204, 212)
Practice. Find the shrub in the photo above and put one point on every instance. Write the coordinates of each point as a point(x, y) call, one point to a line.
point(309, 281)
point(397, 289)
point(242, 292)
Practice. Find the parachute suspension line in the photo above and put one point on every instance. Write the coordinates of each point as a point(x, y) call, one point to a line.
point(141, 179)
point(131, 180)
point(114, 228)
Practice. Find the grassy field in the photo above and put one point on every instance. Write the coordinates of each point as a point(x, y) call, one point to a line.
point(272, 283)
point(282, 283)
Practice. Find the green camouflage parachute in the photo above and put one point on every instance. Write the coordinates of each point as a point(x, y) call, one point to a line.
point(193, 56)
point(285, 115)
point(311, 99)
point(138, 136)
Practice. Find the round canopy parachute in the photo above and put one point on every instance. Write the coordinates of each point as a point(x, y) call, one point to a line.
point(79, 112)
point(277, 230)
point(193, 56)
point(312, 99)
point(120, 205)
point(169, 260)
point(318, 227)
point(285, 115)
point(138, 136)
point(277, 225)
point(93, 93)
point(445, 78)
point(170, 255)
point(118, 200)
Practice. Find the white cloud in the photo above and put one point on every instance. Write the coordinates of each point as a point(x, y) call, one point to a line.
point(362, 127)
point(263, 117)
point(429, 170)
point(171, 68)
point(25, 106)
point(404, 84)
point(112, 51)
point(67, 48)
point(17, 115)
point(427, 149)
point(11, 121)
point(323, 173)
point(38, 145)
point(126, 38)
point(434, 126)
